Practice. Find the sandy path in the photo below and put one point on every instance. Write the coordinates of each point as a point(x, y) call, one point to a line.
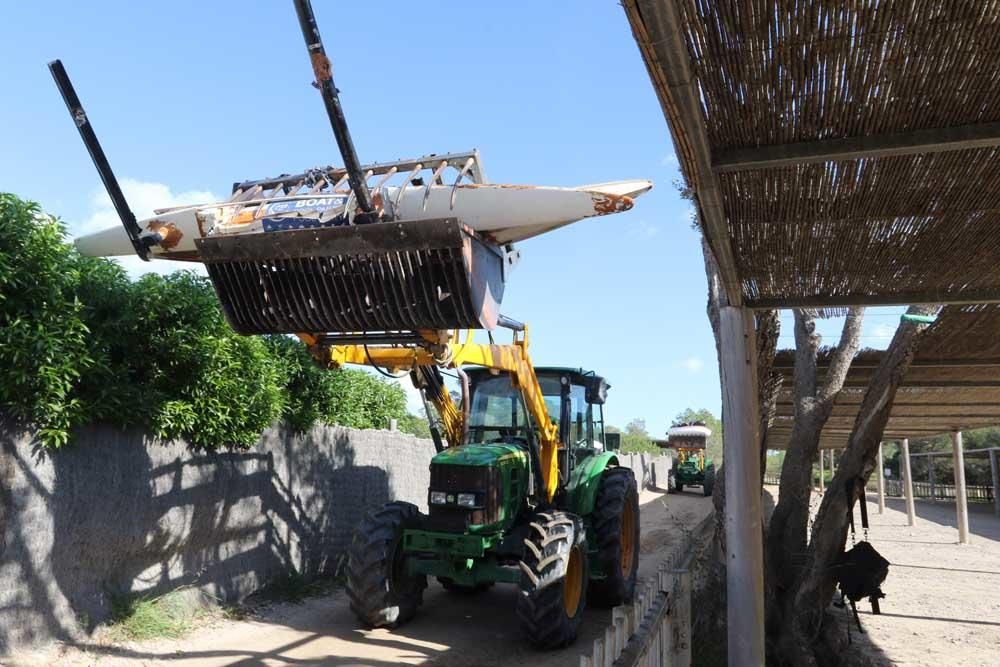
point(449, 630)
point(942, 604)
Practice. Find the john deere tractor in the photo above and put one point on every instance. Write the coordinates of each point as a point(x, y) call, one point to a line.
point(691, 467)
point(522, 492)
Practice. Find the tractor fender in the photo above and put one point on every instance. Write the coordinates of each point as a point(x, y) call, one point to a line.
point(585, 479)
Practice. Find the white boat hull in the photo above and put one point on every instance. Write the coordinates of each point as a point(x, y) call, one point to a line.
point(504, 213)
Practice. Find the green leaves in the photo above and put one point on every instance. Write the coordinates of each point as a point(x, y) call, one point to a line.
point(80, 342)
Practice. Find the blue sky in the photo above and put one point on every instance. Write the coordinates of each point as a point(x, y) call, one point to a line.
point(189, 97)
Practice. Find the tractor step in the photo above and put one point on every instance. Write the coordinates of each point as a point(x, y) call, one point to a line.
point(386, 276)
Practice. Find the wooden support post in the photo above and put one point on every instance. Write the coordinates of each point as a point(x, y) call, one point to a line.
point(833, 464)
point(911, 514)
point(880, 480)
point(961, 506)
point(822, 455)
point(995, 469)
point(744, 548)
point(930, 476)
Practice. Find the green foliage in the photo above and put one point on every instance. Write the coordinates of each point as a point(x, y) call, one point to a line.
point(774, 461)
point(43, 340)
point(141, 618)
point(415, 425)
point(977, 467)
point(81, 342)
point(636, 439)
point(713, 423)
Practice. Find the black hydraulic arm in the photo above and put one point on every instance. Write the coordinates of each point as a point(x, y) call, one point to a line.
point(141, 242)
point(323, 71)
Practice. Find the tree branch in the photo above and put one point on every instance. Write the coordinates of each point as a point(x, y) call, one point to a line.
point(843, 354)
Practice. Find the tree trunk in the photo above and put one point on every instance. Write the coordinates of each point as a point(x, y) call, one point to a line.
point(806, 635)
point(787, 532)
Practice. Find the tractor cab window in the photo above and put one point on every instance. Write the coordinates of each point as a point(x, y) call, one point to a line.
point(497, 413)
point(581, 429)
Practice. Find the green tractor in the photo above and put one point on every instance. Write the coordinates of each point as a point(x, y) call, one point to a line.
point(691, 467)
point(491, 519)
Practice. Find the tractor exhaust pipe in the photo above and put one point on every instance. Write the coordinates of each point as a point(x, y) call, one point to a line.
point(323, 71)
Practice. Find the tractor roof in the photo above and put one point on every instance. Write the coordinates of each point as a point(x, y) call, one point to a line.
point(577, 375)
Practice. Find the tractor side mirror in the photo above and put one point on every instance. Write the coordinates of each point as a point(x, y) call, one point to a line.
point(596, 390)
point(612, 442)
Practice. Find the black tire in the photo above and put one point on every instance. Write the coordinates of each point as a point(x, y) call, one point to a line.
point(462, 589)
point(672, 481)
point(680, 487)
point(549, 607)
point(381, 592)
point(709, 482)
point(616, 511)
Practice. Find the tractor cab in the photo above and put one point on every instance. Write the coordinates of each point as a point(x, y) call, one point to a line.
point(691, 467)
point(574, 401)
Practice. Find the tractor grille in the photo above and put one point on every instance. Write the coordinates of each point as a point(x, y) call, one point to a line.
point(485, 481)
point(390, 276)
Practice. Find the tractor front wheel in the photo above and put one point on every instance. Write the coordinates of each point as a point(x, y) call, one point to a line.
point(672, 481)
point(381, 591)
point(615, 524)
point(709, 482)
point(554, 573)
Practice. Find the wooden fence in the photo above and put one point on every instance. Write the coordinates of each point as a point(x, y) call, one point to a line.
point(894, 487)
point(655, 630)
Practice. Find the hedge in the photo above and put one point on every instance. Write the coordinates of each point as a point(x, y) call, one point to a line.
point(81, 342)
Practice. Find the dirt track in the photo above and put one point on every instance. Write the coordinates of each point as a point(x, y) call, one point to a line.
point(450, 630)
point(942, 604)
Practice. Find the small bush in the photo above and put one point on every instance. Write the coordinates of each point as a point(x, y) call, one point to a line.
point(141, 618)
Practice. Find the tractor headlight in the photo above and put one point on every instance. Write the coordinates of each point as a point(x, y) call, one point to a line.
point(438, 498)
point(467, 499)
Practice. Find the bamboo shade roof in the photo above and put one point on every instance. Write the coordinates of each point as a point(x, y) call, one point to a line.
point(953, 383)
point(839, 153)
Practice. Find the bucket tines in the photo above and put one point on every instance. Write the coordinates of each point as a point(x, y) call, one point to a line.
point(388, 276)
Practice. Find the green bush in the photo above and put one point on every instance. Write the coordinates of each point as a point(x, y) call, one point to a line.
point(44, 345)
point(81, 342)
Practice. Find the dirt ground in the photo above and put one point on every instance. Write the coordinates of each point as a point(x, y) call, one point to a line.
point(449, 630)
point(942, 604)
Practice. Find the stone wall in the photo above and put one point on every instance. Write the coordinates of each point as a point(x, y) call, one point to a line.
point(119, 512)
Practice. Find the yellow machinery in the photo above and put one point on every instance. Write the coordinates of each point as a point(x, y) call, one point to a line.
point(432, 349)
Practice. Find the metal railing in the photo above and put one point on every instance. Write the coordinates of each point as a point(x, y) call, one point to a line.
point(655, 630)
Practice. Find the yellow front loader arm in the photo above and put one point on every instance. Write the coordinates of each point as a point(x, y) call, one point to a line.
point(453, 353)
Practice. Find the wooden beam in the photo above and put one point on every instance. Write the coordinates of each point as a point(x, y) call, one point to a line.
point(659, 32)
point(744, 521)
point(961, 501)
point(935, 140)
point(929, 297)
point(917, 363)
point(911, 515)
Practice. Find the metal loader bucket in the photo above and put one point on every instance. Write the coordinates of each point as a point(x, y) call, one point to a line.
point(390, 276)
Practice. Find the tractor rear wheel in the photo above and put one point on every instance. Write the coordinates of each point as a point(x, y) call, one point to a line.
point(709, 482)
point(615, 526)
point(554, 573)
point(381, 591)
